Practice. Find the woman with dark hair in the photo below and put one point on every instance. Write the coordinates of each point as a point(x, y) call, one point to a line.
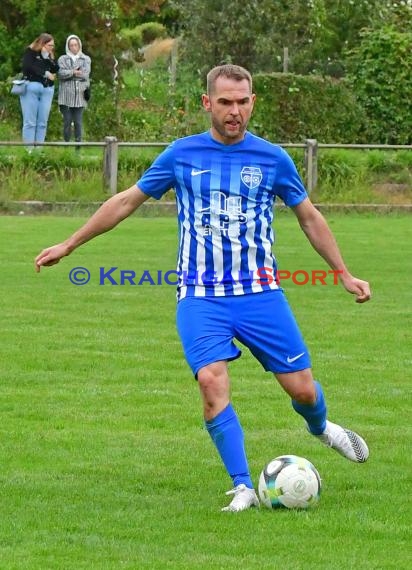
point(39, 69)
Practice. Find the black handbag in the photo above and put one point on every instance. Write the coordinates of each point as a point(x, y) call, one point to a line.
point(87, 94)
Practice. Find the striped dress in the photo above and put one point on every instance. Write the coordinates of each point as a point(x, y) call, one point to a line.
point(225, 196)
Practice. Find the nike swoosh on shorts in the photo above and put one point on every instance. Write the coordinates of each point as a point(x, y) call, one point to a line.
point(290, 360)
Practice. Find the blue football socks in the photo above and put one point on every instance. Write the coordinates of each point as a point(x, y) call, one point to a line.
point(227, 435)
point(315, 415)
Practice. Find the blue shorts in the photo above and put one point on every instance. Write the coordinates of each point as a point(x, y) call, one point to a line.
point(263, 322)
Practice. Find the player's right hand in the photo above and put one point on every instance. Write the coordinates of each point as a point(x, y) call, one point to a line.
point(50, 256)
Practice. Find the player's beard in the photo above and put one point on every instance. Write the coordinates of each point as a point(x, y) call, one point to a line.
point(229, 133)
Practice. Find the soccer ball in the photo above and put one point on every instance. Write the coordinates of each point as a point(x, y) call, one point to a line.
point(289, 481)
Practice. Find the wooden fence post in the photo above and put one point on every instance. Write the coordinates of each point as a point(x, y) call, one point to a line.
point(173, 65)
point(285, 60)
point(111, 152)
point(311, 164)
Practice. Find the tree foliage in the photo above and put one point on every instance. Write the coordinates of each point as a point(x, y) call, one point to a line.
point(95, 21)
point(381, 75)
point(338, 28)
point(251, 33)
point(254, 33)
point(370, 39)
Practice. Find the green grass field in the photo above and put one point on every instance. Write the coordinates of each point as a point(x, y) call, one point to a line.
point(104, 460)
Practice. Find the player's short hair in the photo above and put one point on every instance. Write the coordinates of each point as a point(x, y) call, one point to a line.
point(230, 71)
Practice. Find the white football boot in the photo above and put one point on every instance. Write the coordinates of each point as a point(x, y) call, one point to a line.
point(244, 498)
point(344, 441)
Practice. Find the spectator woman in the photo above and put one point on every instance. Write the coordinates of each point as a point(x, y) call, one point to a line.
point(40, 69)
point(74, 73)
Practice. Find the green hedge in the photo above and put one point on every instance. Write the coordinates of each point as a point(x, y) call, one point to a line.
point(291, 108)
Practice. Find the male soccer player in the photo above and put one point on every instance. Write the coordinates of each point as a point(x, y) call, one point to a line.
point(226, 181)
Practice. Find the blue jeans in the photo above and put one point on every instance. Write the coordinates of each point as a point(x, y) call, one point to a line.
point(35, 106)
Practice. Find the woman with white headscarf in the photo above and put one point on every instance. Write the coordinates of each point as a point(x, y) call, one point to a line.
point(74, 79)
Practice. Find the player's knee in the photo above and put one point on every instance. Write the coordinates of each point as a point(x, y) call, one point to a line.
point(305, 394)
point(208, 379)
point(213, 383)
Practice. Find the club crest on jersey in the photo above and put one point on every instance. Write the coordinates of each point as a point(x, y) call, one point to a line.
point(251, 176)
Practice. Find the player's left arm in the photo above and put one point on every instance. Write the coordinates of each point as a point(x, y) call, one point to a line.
point(323, 241)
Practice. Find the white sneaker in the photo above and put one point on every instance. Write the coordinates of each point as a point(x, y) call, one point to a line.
point(346, 442)
point(243, 499)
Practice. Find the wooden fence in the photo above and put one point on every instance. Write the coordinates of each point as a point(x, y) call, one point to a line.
point(111, 155)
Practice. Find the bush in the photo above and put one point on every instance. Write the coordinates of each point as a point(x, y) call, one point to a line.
point(148, 107)
point(152, 31)
point(143, 34)
point(381, 75)
point(291, 108)
point(133, 38)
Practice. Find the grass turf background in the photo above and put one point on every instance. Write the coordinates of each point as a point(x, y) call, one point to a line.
point(104, 460)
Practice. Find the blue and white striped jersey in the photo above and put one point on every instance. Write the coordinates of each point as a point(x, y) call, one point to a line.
point(225, 196)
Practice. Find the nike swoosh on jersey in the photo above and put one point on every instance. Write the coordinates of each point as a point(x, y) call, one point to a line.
point(290, 360)
point(197, 172)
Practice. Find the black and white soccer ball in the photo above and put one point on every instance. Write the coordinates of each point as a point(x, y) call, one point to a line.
point(289, 481)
